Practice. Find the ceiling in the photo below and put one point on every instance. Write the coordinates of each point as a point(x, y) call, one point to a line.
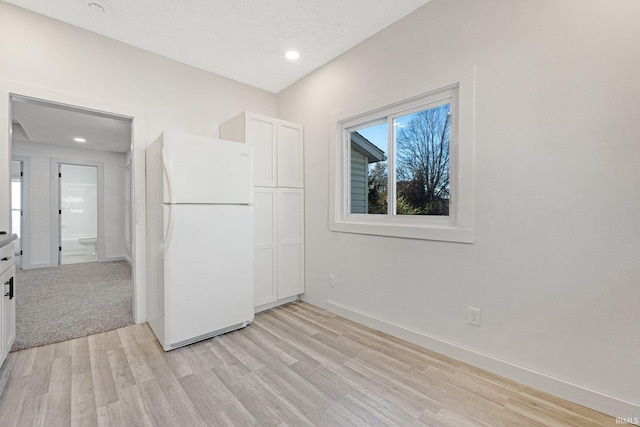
point(56, 124)
point(244, 40)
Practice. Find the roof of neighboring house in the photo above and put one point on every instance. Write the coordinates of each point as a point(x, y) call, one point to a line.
point(366, 148)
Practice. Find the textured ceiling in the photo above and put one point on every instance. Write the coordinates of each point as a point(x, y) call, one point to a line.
point(56, 124)
point(244, 40)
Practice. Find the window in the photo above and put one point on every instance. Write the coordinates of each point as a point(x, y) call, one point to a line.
point(405, 169)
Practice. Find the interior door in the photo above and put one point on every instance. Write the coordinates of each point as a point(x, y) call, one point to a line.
point(78, 212)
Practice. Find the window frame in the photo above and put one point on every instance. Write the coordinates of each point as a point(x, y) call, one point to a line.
point(458, 225)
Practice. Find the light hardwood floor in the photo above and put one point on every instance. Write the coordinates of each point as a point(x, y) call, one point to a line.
point(294, 365)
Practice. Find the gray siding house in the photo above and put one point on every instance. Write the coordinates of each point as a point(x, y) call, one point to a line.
point(363, 152)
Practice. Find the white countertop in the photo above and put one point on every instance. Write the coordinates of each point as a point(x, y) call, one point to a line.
point(5, 239)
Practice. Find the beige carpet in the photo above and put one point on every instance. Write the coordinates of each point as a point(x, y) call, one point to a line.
point(70, 301)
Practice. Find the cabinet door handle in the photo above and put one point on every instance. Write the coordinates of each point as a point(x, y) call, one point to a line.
point(7, 258)
point(10, 293)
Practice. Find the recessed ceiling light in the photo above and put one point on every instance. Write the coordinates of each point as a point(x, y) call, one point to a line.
point(79, 140)
point(292, 55)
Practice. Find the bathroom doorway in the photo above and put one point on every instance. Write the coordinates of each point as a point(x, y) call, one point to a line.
point(78, 213)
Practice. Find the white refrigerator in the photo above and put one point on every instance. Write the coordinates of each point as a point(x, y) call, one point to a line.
point(199, 238)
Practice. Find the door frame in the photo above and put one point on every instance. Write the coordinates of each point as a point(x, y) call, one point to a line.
point(25, 197)
point(139, 137)
point(56, 231)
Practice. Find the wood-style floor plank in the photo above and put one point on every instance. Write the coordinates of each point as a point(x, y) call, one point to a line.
point(295, 365)
point(59, 395)
point(104, 386)
point(83, 407)
point(132, 397)
point(33, 411)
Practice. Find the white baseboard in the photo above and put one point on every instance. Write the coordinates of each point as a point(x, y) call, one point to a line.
point(600, 402)
point(115, 258)
point(40, 265)
point(45, 265)
point(269, 305)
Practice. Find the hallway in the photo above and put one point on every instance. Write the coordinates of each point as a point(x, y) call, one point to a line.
point(71, 301)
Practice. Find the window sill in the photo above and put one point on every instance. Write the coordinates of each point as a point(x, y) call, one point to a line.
point(444, 233)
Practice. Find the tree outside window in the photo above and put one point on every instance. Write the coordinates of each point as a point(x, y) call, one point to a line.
point(422, 162)
point(421, 147)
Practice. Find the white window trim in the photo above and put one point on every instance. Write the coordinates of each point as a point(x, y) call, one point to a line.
point(458, 226)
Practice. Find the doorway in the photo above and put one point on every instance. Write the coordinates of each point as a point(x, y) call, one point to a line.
point(17, 208)
point(76, 178)
point(88, 143)
point(78, 213)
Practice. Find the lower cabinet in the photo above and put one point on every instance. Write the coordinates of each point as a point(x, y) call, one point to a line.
point(8, 305)
point(9, 311)
point(278, 244)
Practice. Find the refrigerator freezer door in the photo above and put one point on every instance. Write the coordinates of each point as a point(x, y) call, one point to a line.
point(208, 271)
point(205, 170)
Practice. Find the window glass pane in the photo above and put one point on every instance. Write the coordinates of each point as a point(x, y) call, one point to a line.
point(422, 161)
point(15, 222)
point(16, 199)
point(368, 178)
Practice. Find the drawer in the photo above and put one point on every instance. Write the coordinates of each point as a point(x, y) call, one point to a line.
point(6, 257)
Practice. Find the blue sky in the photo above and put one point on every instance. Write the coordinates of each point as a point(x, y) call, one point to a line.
point(377, 135)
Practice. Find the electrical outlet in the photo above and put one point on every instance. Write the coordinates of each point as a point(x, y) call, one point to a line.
point(473, 316)
point(332, 280)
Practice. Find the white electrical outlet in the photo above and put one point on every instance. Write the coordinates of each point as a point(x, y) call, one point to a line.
point(473, 316)
point(332, 280)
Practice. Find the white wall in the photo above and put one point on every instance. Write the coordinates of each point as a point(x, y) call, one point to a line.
point(38, 249)
point(45, 53)
point(554, 266)
point(44, 58)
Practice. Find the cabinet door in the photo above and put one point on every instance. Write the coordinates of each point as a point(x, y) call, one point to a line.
point(290, 155)
point(4, 278)
point(9, 311)
point(290, 242)
point(265, 255)
point(261, 134)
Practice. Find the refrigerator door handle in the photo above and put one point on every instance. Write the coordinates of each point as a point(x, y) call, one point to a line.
point(167, 175)
point(169, 234)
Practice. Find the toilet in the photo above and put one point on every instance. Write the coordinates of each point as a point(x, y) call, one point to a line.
point(90, 244)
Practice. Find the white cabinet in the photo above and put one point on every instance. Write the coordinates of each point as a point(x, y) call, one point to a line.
point(278, 148)
point(278, 204)
point(8, 311)
point(278, 215)
point(8, 305)
point(260, 132)
point(290, 242)
point(265, 238)
point(290, 154)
